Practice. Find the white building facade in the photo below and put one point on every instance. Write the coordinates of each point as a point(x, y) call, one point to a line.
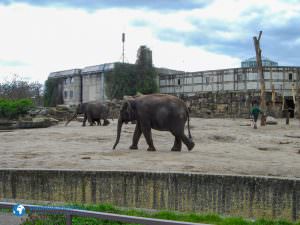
point(282, 79)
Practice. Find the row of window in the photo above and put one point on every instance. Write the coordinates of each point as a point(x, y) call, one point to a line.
point(68, 96)
point(68, 80)
point(240, 77)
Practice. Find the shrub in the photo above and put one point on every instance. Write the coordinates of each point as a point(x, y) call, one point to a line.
point(12, 109)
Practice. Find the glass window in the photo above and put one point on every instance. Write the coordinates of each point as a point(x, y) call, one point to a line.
point(207, 80)
point(65, 94)
point(71, 94)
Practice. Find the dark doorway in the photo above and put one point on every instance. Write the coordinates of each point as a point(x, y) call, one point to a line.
point(290, 105)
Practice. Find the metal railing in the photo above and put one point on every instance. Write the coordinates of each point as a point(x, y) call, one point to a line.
point(69, 213)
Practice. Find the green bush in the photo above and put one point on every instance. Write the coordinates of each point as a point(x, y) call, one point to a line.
point(12, 109)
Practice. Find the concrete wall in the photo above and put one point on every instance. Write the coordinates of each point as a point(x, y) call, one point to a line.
point(71, 90)
point(93, 87)
point(237, 79)
point(247, 196)
point(230, 104)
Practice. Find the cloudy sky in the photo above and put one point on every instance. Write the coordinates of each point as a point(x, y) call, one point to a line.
point(41, 36)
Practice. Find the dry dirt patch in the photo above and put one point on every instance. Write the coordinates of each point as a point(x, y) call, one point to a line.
point(222, 146)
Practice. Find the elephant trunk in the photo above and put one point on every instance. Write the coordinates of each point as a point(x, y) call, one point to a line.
point(120, 123)
point(69, 120)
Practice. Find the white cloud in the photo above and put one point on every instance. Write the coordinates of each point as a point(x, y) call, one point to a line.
point(47, 39)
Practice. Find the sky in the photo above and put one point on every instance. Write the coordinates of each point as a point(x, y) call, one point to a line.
point(38, 37)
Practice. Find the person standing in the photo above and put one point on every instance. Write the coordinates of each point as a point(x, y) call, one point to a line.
point(255, 112)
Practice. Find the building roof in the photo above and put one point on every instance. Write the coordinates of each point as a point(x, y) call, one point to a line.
point(86, 70)
point(253, 59)
point(98, 68)
point(64, 73)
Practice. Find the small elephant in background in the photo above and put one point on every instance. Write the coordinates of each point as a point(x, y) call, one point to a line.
point(156, 111)
point(93, 112)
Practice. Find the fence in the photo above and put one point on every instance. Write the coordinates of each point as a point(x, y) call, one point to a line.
point(69, 213)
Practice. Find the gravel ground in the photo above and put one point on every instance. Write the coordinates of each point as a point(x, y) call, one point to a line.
point(223, 146)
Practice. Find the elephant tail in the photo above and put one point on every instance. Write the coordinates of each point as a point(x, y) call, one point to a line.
point(188, 119)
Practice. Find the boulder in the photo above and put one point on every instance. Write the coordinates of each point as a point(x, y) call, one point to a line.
point(7, 124)
point(37, 122)
point(271, 120)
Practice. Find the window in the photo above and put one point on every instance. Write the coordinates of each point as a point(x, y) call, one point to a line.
point(71, 80)
point(65, 94)
point(71, 94)
point(178, 81)
point(207, 80)
point(65, 80)
point(290, 76)
point(239, 77)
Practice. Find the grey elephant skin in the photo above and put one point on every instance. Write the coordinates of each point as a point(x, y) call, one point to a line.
point(156, 111)
point(93, 112)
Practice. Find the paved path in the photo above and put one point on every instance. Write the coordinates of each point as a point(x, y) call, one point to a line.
point(8, 218)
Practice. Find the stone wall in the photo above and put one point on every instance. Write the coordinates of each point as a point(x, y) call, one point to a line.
point(229, 104)
point(247, 196)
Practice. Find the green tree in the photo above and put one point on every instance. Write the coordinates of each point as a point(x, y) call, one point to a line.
point(16, 88)
point(53, 92)
point(121, 81)
point(129, 79)
point(146, 73)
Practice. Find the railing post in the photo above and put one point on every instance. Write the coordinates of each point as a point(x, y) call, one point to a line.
point(68, 219)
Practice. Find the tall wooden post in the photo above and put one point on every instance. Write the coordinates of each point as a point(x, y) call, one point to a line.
point(297, 97)
point(260, 72)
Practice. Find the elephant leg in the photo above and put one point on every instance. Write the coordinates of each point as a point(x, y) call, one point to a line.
point(136, 137)
point(105, 122)
point(148, 136)
point(84, 120)
point(90, 120)
point(188, 142)
point(177, 144)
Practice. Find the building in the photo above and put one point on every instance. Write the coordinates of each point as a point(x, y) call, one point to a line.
point(229, 92)
point(83, 85)
point(279, 78)
point(251, 62)
point(88, 84)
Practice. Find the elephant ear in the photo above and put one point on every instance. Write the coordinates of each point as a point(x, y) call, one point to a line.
point(129, 106)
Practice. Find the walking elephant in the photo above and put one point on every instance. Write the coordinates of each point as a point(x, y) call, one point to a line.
point(93, 112)
point(157, 111)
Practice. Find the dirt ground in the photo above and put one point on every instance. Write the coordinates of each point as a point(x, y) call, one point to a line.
point(223, 146)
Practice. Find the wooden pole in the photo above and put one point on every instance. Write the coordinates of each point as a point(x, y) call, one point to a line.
point(297, 97)
point(273, 96)
point(294, 97)
point(260, 70)
point(260, 73)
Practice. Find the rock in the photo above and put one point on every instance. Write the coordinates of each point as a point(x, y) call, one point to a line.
point(7, 124)
point(37, 122)
point(271, 120)
point(63, 107)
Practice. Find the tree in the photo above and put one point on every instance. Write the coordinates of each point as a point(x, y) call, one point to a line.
point(53, 92)
point(121, 81)
point(17, 88)
point(260, 71)
point(146, 74)
point(129, 79)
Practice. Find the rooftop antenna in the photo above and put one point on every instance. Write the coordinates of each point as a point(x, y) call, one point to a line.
point(123, 43)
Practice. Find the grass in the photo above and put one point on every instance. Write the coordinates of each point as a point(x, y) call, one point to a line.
point(35, 219)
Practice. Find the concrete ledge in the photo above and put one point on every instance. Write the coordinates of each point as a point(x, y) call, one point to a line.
point(247, 196)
